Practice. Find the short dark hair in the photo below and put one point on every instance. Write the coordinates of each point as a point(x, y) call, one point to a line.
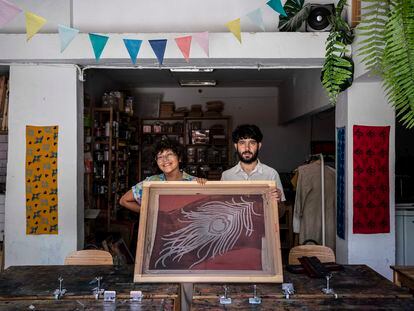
point(247, 131)
point(167, 144)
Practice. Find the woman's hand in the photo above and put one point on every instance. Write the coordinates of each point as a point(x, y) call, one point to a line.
point(201, 181)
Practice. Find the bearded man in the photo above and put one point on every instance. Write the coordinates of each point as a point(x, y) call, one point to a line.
point(247, 139)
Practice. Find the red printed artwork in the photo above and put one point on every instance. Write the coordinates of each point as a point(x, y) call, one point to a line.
point(208, 232)
point(371, 179)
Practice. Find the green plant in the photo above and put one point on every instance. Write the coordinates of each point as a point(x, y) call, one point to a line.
point(337, 71)
point(296, 15)
point(388, 50)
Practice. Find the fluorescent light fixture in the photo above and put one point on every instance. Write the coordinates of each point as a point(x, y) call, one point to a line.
point(191, 69)
point(198, 82)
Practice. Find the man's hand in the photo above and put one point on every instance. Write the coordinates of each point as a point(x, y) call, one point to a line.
point(201, 181)
point(275, 194)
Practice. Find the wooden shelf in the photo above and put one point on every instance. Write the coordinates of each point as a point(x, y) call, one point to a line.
point(148, 139)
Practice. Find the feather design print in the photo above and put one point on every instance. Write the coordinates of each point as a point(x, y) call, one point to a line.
point(212, 229)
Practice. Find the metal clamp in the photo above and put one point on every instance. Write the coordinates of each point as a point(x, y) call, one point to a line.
point(135, 295)
point(59, 292)
point(97, 291)
point(328, 290)
point(255, 300)
point(224, 300)
point(109, 296)
point(288, 289)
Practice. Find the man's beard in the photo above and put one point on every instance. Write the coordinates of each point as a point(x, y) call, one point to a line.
point(248, 161)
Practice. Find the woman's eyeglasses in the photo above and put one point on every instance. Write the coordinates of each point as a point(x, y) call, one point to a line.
point(165, 157)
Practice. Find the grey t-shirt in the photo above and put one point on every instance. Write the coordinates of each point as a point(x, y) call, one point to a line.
point(260, 172)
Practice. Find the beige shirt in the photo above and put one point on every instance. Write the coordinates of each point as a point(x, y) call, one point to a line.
point(307, 219)
point(260, 172)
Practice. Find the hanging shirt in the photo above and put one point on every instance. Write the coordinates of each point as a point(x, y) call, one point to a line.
point(307, 214)
point(137, 189)
point(260, 172)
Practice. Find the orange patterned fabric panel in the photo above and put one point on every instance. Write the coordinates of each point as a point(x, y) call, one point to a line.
point(41, 180)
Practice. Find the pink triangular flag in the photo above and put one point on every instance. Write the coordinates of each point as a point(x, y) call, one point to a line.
point(8, 11)
point(202, 39)
point(184, 44)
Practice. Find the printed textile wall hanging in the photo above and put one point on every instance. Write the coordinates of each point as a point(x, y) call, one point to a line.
point(41, 180)
point(340, 182)
point(371, 179)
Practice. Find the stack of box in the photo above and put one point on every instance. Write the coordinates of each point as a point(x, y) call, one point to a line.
point(196, 111)
point(180, 112)
point(167, 109)
point(214, 108)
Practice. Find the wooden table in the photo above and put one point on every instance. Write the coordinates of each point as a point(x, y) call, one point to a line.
point(357, 287)
point(22, 286)
point(404, 276)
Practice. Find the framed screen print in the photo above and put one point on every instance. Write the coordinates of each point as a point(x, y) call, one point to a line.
point(217, 232)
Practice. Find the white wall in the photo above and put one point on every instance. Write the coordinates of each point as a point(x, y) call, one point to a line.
point(42, 95)
point(375, 250)
point(284, 146)
point(305, 95)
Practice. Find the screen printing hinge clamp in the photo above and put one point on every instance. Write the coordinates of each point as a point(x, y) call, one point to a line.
point(59, 292)
point(97, 291)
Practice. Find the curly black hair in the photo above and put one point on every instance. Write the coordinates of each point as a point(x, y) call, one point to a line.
point(167, 144)
point(247, 131)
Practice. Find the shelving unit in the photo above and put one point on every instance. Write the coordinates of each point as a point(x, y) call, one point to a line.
point(112, 132)
point(206, 141)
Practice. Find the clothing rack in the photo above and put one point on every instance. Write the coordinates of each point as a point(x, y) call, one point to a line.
point(320, 155)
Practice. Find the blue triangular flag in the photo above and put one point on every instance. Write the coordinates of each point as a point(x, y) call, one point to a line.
point(98, 44)
point(133, 47)
point(277, 6)
point(158, 46)
point(66, 35)
point(257, 18)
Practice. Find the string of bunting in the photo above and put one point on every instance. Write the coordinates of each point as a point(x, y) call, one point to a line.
point(8, 11)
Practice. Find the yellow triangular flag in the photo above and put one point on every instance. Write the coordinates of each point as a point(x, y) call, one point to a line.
point(33, 24)
point(234, 27)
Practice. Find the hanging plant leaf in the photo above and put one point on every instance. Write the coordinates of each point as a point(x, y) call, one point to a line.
point(297, 14)
point(338, 69)
point(373, 28)
point(398, 60)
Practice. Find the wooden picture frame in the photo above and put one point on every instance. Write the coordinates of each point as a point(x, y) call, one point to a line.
point(223, 231)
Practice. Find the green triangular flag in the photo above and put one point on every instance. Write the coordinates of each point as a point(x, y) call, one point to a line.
point(98, 44)
point(277, 6)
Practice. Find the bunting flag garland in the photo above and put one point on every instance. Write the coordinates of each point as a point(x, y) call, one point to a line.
point(234, 27)
point(158, 46)
point(8, 11)
point(133, 46)
point(66, 35)
point(184, 44)
point(203, 41)
point(98, 44)
point(276, 5)
point(257, 18)
point(33, 24)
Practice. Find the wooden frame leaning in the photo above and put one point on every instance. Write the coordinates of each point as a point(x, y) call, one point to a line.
point(218, 232)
